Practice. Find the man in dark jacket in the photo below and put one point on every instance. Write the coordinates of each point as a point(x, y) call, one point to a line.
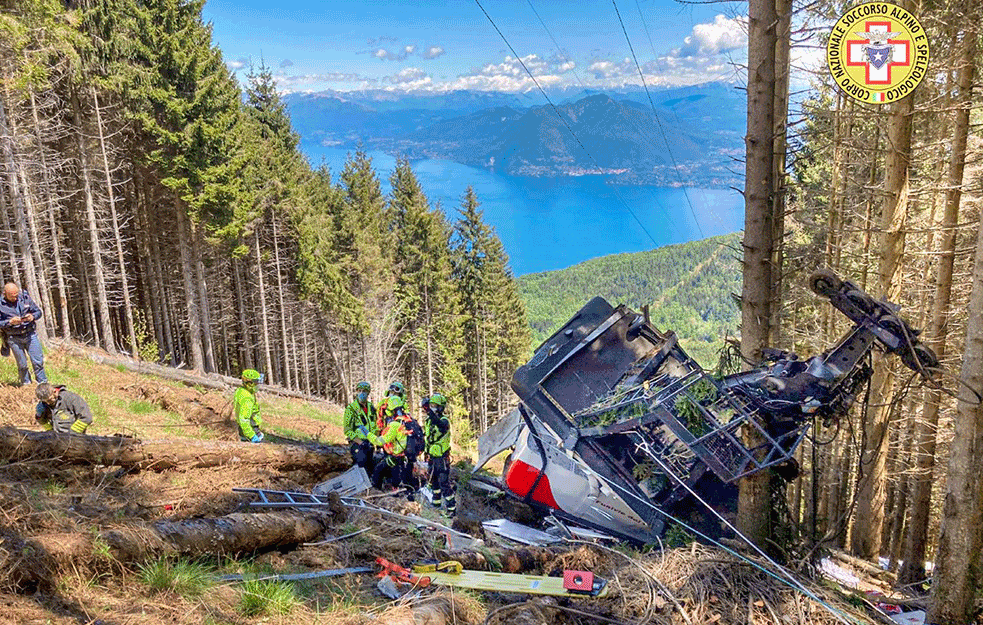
point(18, 321)
point(61, 410)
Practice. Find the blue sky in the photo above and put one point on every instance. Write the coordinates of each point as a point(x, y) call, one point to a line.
point(403, 45)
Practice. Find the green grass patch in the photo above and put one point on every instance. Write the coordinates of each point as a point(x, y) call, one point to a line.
point(142, 407)
point(187, 579)
point(266, 598)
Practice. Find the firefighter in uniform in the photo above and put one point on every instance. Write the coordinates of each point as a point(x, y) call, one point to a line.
point(61, 410)
point(361, 413)
point(246, 408)
point(437, 433)
point(393, 443)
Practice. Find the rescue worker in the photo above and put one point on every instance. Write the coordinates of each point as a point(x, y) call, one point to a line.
point(415, 445)
point(361, 413)
point(437, 433)
point(393, 443)
point(246, 408)
point(61, 410)
point(395, 389)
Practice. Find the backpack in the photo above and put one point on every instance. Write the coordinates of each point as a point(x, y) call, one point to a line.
point(415, 443)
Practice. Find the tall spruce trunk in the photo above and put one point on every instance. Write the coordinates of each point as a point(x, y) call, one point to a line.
point(264, 313)
point(869, 520)
point(117, 235)
point(55, 239)
point(188, 273)
point(913, 569)
point(20, 208)
point(95, 245)
point(204, 308)
point(957, 574)
point(754, 501)
point(284, 341)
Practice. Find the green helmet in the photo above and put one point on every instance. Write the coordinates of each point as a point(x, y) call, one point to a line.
point(397, 388)
point(395, 402)
point(363, 387)
point(251, 375)
point(438, 400)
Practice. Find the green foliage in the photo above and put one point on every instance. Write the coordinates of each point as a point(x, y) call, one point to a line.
point(266, 598)
point(186, 578)
point(677, 536)
point(147, 347)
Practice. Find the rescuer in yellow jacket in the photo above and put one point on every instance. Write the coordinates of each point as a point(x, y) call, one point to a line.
point(246, 408)
point(361, 414)
point(437, 434)
point(393, 443)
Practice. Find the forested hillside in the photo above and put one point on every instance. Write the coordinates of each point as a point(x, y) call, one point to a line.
point(688, 288)
point(154, 206)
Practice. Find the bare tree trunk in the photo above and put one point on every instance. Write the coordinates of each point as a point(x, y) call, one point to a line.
point(19, 196)
point(957, 562)
point(287, 378)
point(263, 309)
point(754, 501)
point(866, 539)
point(120, 256)
point(913, 569)
point(204, 309)
point(95, 245)
point(188, 271)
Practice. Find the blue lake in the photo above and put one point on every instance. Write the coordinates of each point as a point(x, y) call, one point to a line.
point(552, 223)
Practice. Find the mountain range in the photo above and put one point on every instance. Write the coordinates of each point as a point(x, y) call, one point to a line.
point(683, 137)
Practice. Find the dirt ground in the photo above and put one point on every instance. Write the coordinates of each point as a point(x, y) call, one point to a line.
point(51, 514)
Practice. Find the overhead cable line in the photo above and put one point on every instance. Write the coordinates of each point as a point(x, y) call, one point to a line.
point(567, 126)
point(658, 121)
point(638, 129)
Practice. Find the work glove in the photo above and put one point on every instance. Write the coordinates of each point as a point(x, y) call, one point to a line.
point(257, 437)
point(79, 427)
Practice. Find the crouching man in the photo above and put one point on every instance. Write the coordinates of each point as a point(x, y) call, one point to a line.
point(61, 410)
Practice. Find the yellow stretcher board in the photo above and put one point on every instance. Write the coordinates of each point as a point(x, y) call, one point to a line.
point(573, 584)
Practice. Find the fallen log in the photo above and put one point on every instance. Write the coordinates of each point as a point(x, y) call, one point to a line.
point(17, 445)
point(502, 560)
point(239, 532)
point(864, 566)
point(234, 533)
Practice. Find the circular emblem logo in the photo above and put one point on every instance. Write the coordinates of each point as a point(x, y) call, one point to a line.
point(877, 52)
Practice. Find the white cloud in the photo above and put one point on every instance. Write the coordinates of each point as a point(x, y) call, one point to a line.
point(238, 64)
point(408, 75)
point(432, 52)
point(292, 82)
point(723, 35)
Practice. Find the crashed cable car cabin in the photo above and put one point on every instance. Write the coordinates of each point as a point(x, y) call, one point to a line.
point(617, 424)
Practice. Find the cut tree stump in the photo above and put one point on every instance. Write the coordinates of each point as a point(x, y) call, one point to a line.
point(131, 453)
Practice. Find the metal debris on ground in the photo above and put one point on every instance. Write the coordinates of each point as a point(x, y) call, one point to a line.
point(293, 577)
point(352, 482)
point(519, 533)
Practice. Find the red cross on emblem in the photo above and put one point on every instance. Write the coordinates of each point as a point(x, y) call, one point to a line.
point(878, 52)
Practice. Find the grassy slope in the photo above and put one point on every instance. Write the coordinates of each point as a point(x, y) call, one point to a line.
point(688, 286)
point(151, 407)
